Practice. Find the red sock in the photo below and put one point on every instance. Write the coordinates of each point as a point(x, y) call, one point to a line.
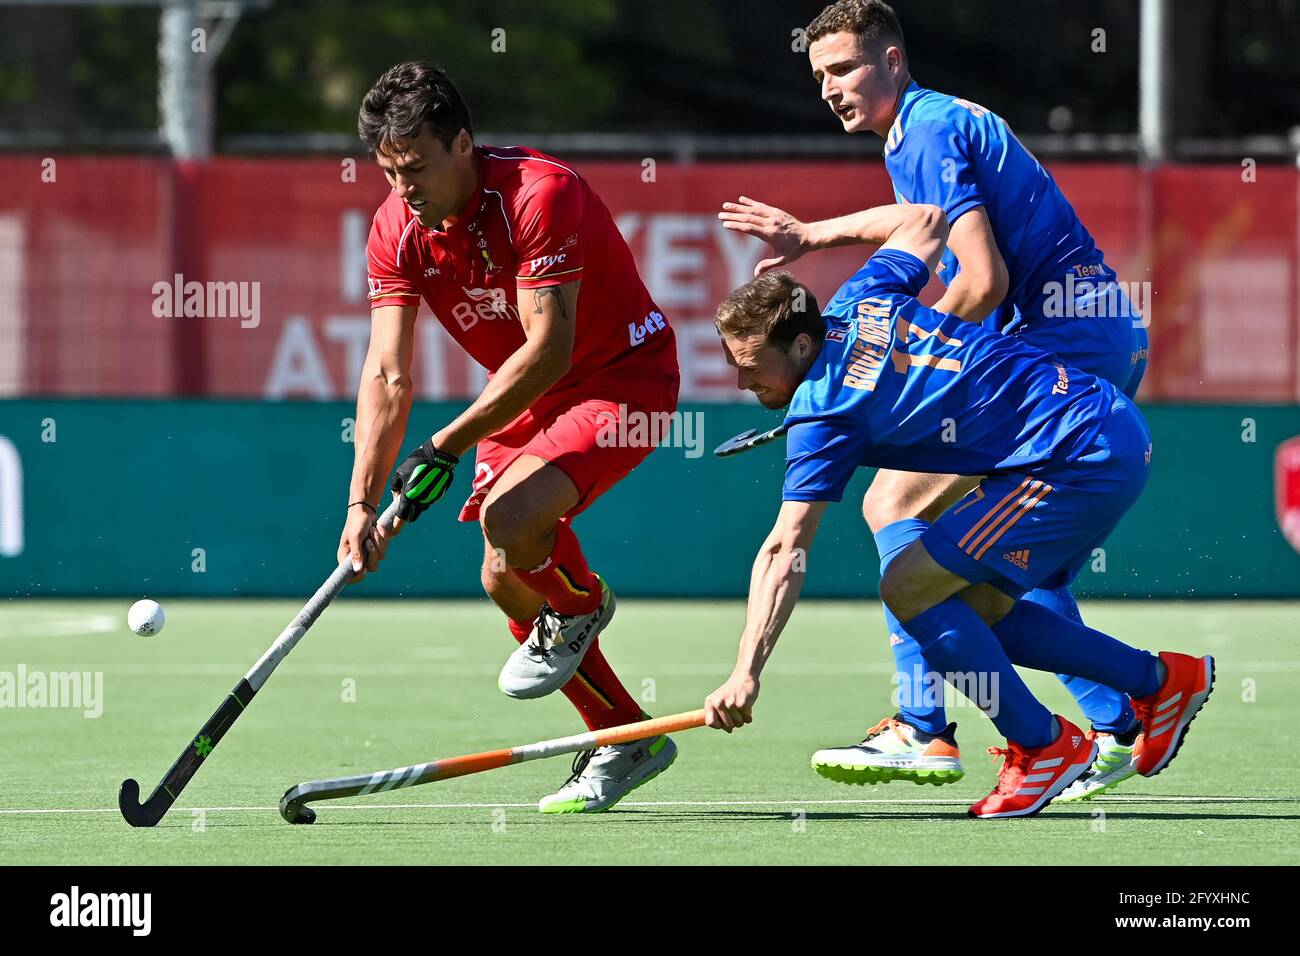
point(564, 578)
point(595, 690)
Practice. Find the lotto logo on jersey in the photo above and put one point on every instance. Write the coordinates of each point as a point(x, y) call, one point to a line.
point(545, 262)
point(637, 332)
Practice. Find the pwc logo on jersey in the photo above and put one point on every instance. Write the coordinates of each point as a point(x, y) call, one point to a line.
point(545, 262)
point(638, 332)
point(484, 305)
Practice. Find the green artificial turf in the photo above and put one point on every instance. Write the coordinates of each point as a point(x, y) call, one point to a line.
point(425, 687)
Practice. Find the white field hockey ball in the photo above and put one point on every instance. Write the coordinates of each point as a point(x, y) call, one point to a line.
point(146, 618)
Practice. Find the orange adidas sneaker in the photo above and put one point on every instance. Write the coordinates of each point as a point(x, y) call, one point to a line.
point(1167, 713)
point(1031, 777)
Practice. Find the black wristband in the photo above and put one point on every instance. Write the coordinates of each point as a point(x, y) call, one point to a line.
point(373, 509)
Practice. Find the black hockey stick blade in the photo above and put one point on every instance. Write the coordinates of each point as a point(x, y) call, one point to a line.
point(223, 718)
point(148, 814)
point(141, 814)
point(293, 809)
point(747, 440)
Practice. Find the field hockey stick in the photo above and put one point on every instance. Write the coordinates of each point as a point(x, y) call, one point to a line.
point(293, 804)
point(147, 814)
point(747, 440)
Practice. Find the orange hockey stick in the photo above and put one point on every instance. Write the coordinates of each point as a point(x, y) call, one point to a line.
point(293, 804)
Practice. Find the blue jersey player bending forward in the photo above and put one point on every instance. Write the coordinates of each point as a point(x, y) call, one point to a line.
point(1017, 259)
point(882, 381)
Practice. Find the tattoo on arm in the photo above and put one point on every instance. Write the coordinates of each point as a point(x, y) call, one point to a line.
point(541, 295)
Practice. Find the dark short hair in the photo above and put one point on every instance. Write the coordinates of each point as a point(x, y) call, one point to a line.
point(872, 21)
point(775, 305)
point(404, 99)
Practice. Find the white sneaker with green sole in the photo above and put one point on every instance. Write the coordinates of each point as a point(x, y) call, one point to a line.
point(1114, 764)
point(894, 750)
point(606, 775)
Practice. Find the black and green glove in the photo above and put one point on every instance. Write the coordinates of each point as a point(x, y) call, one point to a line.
point(421, 479)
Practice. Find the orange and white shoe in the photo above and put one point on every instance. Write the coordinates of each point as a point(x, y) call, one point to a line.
point(1031, 776)
point(894, 750)
point(1167, 713)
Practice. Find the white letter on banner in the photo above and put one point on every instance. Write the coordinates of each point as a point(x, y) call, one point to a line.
point(11, 500)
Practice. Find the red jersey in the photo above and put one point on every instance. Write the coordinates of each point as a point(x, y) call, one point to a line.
point(532, 222)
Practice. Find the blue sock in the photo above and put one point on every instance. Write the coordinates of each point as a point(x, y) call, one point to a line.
point(1106, 708)
point(918, 702)
point(920, 691)
point(1044, 640)
point(893, 538)
point(957, 641)
point(1061, 601)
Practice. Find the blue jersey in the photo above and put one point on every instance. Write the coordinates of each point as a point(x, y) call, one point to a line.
point(897, 385)
point(954, 154)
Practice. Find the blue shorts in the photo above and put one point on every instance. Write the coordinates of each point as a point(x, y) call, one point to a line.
point(1025, 530)
point(1108, 340)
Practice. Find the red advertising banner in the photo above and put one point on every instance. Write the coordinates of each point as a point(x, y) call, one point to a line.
point(246, 277)
point(1287, 485)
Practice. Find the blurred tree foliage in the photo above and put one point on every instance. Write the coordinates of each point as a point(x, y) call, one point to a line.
point(722, 67)
point(62, 68)
point(306, 66)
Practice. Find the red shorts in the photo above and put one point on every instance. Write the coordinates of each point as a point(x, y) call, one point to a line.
point(578, 431)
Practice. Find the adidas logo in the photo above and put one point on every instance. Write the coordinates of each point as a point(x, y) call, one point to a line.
point(1075, 740)
point(1019, 558)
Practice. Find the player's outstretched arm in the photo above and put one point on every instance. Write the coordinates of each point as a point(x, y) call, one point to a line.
point(549, 317)
point(774, 586)
point(383, 404)
point(791, 238)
